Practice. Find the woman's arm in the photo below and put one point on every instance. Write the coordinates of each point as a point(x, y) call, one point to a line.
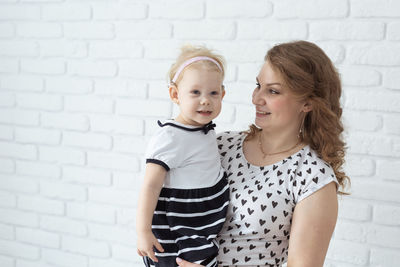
point(153, 181)
point(314, 220)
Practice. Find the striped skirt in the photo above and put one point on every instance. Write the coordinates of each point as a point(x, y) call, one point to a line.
point(186, 222)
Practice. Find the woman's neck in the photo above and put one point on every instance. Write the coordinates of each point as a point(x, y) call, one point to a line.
point(273, 142)
point(275, 147)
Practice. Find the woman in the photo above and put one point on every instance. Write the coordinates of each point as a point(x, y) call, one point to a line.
point(284, 173)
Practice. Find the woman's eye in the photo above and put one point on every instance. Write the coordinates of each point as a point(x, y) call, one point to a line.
point(258, 85)
point(274, 92)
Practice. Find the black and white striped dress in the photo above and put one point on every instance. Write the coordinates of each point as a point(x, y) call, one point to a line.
point(193, 202)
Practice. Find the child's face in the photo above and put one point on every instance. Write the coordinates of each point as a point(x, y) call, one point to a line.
point(199, 95)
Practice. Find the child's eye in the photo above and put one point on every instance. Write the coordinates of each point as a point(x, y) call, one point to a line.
point(214, 93)
point(195, 92)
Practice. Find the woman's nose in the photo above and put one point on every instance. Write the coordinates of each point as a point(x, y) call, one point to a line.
point(256, 99)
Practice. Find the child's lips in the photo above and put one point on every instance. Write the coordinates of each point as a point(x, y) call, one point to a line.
point(205, 113)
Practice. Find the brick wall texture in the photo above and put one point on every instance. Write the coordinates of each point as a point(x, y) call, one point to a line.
point(82, 83)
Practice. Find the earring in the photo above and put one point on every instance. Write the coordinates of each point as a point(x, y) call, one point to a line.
point(300, 135)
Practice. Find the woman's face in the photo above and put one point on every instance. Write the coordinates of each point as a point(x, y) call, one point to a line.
point(277, 109)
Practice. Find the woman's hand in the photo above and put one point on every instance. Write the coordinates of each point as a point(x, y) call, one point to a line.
point(184, 263)
point(146, 243)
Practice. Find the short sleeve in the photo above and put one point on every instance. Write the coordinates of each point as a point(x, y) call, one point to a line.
point(164, 149)
point(319, 176)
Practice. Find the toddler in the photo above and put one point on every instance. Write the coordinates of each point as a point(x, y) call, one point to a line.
point(185, 195)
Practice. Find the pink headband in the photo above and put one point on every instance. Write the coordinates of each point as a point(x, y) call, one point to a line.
point(190, 61)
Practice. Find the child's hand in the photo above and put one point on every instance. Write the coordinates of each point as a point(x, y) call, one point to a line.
point(146, 243)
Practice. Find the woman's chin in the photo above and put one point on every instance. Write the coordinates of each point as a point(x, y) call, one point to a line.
point(257, 125)
point(260, 123)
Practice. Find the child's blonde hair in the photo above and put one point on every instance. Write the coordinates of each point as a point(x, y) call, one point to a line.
point(190, 51)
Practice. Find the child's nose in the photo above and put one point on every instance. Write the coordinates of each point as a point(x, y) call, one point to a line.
point(204, 100)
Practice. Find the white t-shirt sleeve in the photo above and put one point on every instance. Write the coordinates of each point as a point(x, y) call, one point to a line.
point(319, 176)
point(164, 149)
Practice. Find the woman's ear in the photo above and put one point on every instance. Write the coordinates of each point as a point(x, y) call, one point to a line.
point(307, 107)
point(173, 94)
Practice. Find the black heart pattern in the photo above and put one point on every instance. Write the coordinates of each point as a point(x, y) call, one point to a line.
point(259, 193)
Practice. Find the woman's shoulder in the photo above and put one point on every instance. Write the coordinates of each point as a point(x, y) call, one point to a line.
point(313, 165)
point(312, 173)
point(230, 137)
point(314, 158)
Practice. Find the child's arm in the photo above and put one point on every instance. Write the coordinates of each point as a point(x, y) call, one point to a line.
point(149, 193)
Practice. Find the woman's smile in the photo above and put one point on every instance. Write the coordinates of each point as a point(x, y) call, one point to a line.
point(262, 113)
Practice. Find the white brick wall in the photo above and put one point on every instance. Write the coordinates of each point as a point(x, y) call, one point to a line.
point(82, 83)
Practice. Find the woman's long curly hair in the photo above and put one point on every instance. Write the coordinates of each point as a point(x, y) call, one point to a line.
point(310, 75)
